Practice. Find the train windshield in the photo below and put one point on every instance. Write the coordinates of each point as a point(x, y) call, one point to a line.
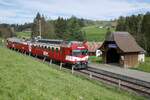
point(79, 52)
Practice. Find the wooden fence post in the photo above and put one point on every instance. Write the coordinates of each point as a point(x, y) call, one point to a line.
point(72, 69)
point(90, 75)
point(50, 61)
point(119, 84)
point(44, 59)
point(60, 66)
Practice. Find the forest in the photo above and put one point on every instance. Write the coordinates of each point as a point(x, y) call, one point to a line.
point(138, 26)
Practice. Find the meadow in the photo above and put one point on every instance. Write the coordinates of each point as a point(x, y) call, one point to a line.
point(26, 35)
point(144, 66)
point(94, 33)
point(24, 78)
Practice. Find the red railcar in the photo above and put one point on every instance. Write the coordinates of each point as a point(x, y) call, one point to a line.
point(69, 52)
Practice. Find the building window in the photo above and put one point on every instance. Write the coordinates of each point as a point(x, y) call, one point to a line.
point(52, 49)
point(56, 49)
point(49, 48)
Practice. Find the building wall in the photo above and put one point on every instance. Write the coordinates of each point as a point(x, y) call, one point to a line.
point(98, 53)
point(92, 53)
point(131, 60)
point(141, 57)
point(104, 57)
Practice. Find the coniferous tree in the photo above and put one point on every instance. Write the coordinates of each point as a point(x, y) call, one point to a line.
point(146, 31)
point(121, 24)
point(42, 27)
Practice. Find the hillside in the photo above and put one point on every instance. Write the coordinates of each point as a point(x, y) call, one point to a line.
point(23, 78)
point(94, 33)
point(23, 34)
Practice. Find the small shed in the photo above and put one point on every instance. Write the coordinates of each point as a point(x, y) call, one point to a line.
point(121, 48)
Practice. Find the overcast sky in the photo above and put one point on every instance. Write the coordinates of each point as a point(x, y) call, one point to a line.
point(20, 11)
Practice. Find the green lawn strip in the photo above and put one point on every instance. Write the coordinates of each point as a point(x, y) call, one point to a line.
point(95, 59)
point(2, 41)
point(22, 78)
point(23, 34)
point(144, 66)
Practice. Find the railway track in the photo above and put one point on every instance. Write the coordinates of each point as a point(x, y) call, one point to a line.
point(120, 83)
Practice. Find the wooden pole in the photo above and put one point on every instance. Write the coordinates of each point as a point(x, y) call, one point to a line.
point(50, 61)
point(119, 84)
point(44, 59)
point(72, 69)
point(90, 75)
point(60, 66)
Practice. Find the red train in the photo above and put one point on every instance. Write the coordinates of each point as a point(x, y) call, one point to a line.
point(67, 52)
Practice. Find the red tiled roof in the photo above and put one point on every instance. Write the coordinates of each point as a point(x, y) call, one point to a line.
point(93, 46)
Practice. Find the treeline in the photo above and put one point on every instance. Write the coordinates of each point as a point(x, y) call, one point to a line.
point(21, 27)
point(6, 31)
point(139, 27)
point(67, 29)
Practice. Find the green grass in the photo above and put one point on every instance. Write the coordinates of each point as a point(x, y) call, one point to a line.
point(95, 59)
point(2, 42)
point(23, 78)
point(23, 34)
point(145, 66)
point(94, 33)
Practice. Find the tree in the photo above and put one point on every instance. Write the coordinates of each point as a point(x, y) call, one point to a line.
point(6, 31)
point(60, 27)
point(69, 29)
point(146, 31)
point(121, 24)
point(73, 24)
point(42, 27)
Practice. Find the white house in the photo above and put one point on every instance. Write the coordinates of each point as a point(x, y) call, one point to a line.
point(141, 57)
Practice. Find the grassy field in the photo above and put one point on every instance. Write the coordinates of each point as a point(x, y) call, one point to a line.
point(94, 33)
point(23, 34)
point(95, 59)
point(23, 78)
point(2, 42)
point(145, 66)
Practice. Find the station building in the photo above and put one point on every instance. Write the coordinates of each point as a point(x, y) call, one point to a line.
point(122, 49)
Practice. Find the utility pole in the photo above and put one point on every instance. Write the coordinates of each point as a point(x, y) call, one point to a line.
point(40, 28)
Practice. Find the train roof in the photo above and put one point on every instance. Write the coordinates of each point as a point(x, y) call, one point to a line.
point(17, 40)
point(49, 41)
point(56, 42)
point(45, 42)
point(14, 39)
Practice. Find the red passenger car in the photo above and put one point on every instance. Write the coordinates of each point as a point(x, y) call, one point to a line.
point(68, 52)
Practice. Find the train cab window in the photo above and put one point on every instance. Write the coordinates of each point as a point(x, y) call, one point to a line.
point(84, 52)
point(79, 52)
point(76, 52)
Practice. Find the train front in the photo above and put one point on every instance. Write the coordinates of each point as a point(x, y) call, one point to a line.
point(79, 55)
